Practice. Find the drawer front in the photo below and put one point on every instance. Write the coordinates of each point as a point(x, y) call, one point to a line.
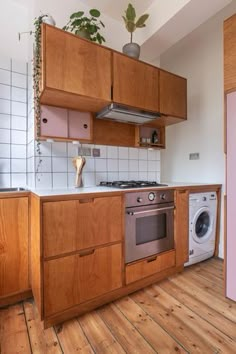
point(71, 280)
point(69, 226)
point(53, 122)
point(149, 266)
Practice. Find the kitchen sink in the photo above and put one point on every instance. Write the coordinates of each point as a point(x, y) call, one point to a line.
point(13, 189)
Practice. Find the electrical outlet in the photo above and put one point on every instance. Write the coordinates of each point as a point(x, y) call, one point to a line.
point(194, 156)
point(84, 151)
point(96, 152)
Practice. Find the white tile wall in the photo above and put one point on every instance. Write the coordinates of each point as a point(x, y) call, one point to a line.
point(13, 122)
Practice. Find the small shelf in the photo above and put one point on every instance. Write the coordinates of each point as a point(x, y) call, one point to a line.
point(146, 145)
point(145, 133)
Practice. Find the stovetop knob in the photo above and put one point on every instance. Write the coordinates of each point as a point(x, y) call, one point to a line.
point(139, 200)
point(163, 196)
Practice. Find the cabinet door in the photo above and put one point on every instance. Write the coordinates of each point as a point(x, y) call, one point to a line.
point(181, 226)
point(135, 83)
point(80, 125)
point(53, 122)
point(77, 224)
point(14, 274)
point(71, 280)
point(230, 53)
point(173, 95)
point(75, 66)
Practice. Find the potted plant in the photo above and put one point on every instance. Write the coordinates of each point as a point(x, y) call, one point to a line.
point(133, 49)
point(86, 27)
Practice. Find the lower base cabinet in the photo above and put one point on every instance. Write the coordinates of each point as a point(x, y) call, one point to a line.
point(14, 258)
point(71, 280)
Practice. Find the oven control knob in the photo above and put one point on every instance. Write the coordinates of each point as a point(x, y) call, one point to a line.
point(163, 196)
point(139, 200)
point(151, 196)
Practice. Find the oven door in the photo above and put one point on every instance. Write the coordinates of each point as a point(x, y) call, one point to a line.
point(149, 230)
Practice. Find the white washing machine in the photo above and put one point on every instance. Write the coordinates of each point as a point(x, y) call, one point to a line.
point(202, 226)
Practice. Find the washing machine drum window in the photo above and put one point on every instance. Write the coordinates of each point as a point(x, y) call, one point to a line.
point(202, 225)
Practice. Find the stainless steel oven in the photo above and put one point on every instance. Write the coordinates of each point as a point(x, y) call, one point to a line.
point(149, 223)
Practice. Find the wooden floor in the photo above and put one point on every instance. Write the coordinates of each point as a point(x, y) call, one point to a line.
point(185, 314)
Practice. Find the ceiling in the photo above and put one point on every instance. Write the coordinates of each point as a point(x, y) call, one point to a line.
point(116, 9)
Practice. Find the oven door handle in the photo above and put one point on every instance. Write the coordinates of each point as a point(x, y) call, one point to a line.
point(149, 211)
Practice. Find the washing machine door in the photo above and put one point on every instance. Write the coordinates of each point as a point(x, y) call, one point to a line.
point(202, 225)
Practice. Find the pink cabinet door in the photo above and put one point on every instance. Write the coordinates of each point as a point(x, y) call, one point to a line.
point(80, 125)
point(231, 197)
point(54, 122)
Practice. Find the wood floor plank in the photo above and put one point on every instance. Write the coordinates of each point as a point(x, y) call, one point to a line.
point(161, 341)
point(194, 333)
point(42, 341)
point(124, 331)
point(210, 269)
point(210, 315)
point(210, 297)
point(210, 276)
point(216, 338)
point(72, 338)
point(208, 284)
point(14, 337)
point(99, 336)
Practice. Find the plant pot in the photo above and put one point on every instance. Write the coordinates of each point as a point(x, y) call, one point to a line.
point(49, 20)
point(83, 34)
point(132, 50)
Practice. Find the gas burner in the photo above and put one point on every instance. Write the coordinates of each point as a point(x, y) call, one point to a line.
point(131, 184)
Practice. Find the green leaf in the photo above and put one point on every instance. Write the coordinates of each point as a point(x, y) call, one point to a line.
point(130, 13)
point(125, 20)
point(102, 24)
point(94, 13)
point(141, 20)
point(130, 26)
point(77, 14)
point(76, 23)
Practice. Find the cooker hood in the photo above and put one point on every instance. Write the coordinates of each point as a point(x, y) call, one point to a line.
point(125, 114)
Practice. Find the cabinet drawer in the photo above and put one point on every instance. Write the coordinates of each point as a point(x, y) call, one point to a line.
point(53, 122)
point(74, 225)
point(81, 277)
point(79, 125)
point(149, 266)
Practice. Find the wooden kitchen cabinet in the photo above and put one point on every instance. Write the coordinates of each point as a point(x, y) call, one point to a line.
point(230, 54)
point(181, 226)
point(135, 83)
point(81, 277)
point(61, 123)
point(14, 259)
point(74, 225)
point(76, 73)
point(173, 95)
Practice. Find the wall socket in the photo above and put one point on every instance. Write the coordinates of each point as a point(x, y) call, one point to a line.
point(84, 151)
point(96, 152)
point(194, 156)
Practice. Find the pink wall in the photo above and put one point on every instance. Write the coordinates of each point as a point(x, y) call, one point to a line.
point(231, 198)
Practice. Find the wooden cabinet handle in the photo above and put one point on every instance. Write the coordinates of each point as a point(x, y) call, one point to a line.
point(152, 259)
point(86, 253)
point(89, 200)
point(183, 191)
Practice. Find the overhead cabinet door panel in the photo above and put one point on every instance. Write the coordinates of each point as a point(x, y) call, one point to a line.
point(135, 83)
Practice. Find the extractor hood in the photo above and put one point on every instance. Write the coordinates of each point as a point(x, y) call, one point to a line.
point(120, 113)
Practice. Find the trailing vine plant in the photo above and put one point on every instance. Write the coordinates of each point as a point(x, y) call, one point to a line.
point(36, 83)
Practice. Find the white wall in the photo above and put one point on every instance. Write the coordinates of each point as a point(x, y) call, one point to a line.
point(199, 58)
point(13, 19)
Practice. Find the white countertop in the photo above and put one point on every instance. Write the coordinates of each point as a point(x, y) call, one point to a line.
point(99, 189)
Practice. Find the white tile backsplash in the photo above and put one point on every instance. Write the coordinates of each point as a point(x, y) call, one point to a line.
point(123, 153)
point(5, 77)
point(18, 137)
point(18, 165)
point(5, 150)
point(59, 149)
point(5, 121)
point(123, 165)
point(19, 80)
point(19, 123)
point(5, 92)
point(59, 180)
point(5, 106)
point(112, 165)
point(89, 165)
point(5, 179)
point(143, 166)
point(133, 165)
point(59, 164)
point(18, 151)
point(142, 154)
point(5, 62)
point(18, 109)
point(5, 136)
point(43, 180)
point(112, 152)
point(5, 165)
point(19, 94)
point(18, 180)
point(19, 66)
point(100, 176)
point(133, 153)
point(100, 165)
point(88, 179)
point(45, 165)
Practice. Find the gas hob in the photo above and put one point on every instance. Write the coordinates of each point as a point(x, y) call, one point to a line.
point(131, 184)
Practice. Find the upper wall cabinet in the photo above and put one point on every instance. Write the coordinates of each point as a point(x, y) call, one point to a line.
point(173, 93)
point(230, 54)
point(75, 73)
point(135, 83)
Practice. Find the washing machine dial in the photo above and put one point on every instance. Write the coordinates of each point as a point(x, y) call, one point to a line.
point(204, 199)
point(151, 196)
